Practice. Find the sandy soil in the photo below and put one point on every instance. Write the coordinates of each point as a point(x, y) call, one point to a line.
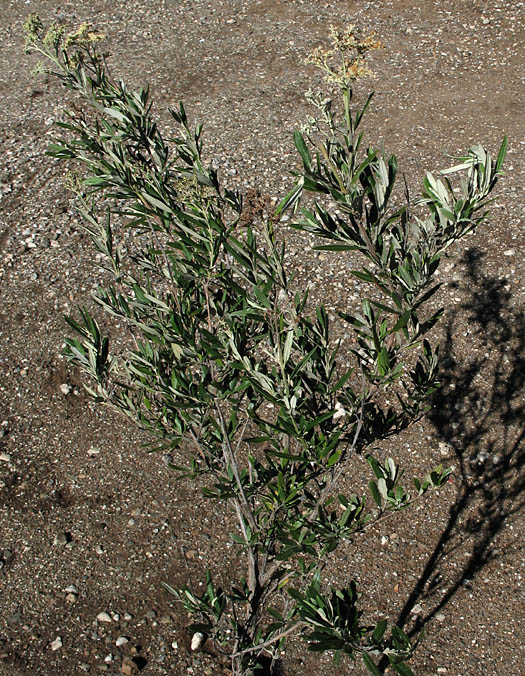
point(88, 523)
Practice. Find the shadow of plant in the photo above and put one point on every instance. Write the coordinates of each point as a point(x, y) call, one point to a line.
point(479, 417)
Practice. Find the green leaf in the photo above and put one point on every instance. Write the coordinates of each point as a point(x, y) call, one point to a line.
point(375, 493)
point(501, 154)
point(302, 149)
point(370, 665)
point(375, 467)
point(288, 345)
point(379, 631)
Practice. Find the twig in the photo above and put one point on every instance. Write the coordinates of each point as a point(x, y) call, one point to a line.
point(271, 641)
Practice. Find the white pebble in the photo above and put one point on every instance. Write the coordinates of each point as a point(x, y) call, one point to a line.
point(197, 640)
point(57, 643)
point(121, 640)
point(103, 617)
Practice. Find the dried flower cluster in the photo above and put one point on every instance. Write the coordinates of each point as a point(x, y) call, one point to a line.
point(344, 62)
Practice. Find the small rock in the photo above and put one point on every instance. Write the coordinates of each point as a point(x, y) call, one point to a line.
point(384, 540)
point(5, 457)
point(103, 617)
point(71, 589)
point(440, 617)
point(151, 614)
point(417, 609)
point(99, 550)
point(128, 667)
point(128, 617)
point(165, 619)
point(131, 522)
point(108, 658)
point(509, 252)
point(71, 598)
point(56, 644)
point(444, 448)
point(121, 640)
point(482, 457)
point(66, 389)
point(197, 640)
point(93, 450)
point(175, 645)
point(62, 539)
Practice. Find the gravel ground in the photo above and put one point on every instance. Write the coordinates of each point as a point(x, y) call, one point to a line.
point(90, 525)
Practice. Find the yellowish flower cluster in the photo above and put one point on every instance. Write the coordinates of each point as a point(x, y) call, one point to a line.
point(344, 62)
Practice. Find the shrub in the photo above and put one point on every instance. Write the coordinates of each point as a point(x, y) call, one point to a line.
point(237, 373)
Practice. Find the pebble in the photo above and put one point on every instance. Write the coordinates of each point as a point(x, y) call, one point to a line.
point(103, 617)
point(151, 614)
point(509, 252)
point(5, 457)
point(99, 550)
point(61, 539)
point(440, 617)
point(444, 448)
point(128, 667)
point(57, 643)
point(131, 522)
point(71, 598)
point(121, 640)
point(66, 389)
point(417, 609)
point(197, 640)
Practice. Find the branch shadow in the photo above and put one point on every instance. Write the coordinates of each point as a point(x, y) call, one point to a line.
point(478, 415)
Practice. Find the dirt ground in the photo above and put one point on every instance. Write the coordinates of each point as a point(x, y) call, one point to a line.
point(89, 523)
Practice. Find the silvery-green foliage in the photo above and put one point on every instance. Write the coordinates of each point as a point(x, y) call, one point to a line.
point(236, 372)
